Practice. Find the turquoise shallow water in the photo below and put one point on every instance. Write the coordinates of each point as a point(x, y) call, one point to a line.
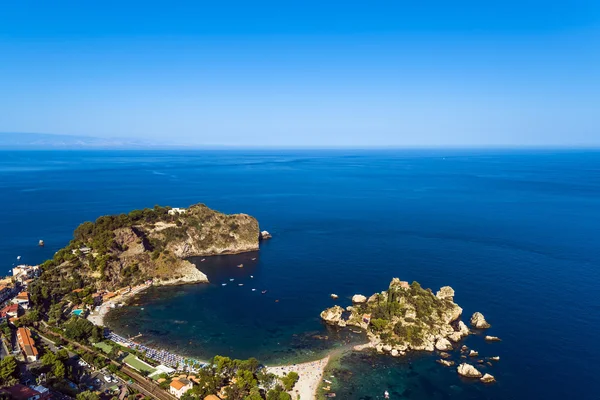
point(515, 233)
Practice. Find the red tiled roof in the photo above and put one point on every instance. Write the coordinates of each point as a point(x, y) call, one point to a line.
point(26, 342)
point(177, 384)
point(21, 392)
point(9, 309)
point(23, 296)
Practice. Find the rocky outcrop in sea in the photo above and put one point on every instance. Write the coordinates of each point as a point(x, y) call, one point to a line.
point(404, 317)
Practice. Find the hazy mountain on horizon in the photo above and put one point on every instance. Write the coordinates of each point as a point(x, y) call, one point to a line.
point(20, 140)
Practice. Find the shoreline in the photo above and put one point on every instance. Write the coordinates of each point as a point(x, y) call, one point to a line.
point(311, 373)
point(96, 317)
point(310, 376)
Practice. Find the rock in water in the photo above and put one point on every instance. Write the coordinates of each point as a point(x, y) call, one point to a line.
point(487, 378)
point(443, 344)
point(264, 235)
point(473, 353)
point(462, 332)
point(334, 296)
point(333, 316)
point(359, 298)
point(445, 363)
point(468, 371)
point(478, 321)
point(41, 243)
point(492, 339)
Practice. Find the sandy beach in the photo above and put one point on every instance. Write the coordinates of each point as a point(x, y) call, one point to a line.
point(311, 376)
point(97, 316)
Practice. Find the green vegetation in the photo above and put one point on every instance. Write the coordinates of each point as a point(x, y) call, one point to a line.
point(9, 371)
point(241, 379)
point(105, 347)
point(133, 362)
point(80, 329)
point(55, 363)
point(87, 395)
point(405, 316)
point(290, 380)
point(128, 249)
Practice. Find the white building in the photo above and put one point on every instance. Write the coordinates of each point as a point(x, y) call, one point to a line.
point(22, 299)
point(179, 386)
point(26, 271)
point(176, 210)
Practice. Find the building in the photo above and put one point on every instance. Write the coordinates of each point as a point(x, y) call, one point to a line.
point(366, 318)
point(10, 311)
point(22, 272)
point(175, 211)
point(212, 397)
point(82, 250)
point(179, 386)
point(27, 344)
point(22, 299)
point(22, 392)
point(6, 292)
point(404, 285)
point(43, 391)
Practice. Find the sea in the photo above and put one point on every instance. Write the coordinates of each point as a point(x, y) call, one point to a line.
point(515, 232)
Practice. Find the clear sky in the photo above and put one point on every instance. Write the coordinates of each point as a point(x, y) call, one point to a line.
point(304, 73)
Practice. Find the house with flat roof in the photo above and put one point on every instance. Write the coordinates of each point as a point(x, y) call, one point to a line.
point(22, 299)
point(27, 344)
point(179, 386)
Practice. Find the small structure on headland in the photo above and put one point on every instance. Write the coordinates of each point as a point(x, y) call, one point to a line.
point(176, 211)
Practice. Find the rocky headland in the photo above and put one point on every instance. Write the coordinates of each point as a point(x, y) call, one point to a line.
point(404, 317)
point(128, 249)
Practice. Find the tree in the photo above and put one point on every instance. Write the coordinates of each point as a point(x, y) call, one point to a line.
point(80, 329)
point(278, 393)
point(59, 370)
point(290, 380)
point(8, 369)
point(49, 359)
point(87, 395)
point(30, 318)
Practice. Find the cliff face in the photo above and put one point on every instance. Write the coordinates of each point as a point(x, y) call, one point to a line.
point(153, 243)
point(203, 231)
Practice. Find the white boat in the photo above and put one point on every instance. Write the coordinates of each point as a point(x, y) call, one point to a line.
point(386, 394)
point(204, 259)
point(254, 290)
point(231, 280)
point(251, 276)
point(18, 257)
point(240, 284)
point(254, 259)
point(223, 284)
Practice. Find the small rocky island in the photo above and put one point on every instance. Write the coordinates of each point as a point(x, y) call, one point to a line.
point(153, 243)
point(404, 317)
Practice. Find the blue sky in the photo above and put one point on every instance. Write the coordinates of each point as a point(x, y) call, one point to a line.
point(368, 73)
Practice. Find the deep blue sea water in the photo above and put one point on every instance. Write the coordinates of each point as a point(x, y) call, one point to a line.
point(515, 233)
